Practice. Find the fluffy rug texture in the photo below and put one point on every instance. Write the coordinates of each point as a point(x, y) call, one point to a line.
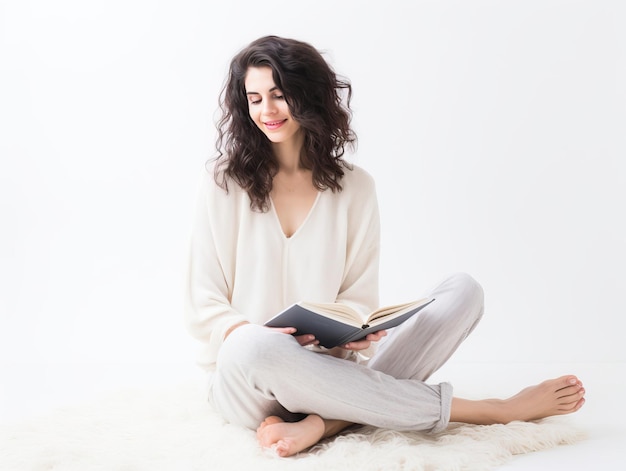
point(175, 429)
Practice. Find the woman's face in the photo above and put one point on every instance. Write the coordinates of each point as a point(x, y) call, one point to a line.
point(267, 106)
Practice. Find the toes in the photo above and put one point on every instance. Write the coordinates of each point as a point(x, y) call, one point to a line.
point(569, 386)
point(272, 419)
point(567, 381)
point(282, 448)
point(262, 431)
point(574, 397)
point(572, 392)
point(572, 407)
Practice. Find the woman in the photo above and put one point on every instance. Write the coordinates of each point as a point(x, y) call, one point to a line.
point(281, 218)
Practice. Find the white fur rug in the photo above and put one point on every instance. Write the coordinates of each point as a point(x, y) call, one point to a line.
point(175, 430)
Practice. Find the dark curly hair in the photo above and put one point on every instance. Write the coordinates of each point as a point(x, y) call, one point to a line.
point(319, 102)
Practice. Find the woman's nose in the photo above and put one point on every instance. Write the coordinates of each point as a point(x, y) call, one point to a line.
point(268, 107)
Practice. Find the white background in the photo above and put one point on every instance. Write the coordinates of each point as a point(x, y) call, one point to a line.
point(495, 131)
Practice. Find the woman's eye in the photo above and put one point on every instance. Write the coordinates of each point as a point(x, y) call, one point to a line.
point(256, 101)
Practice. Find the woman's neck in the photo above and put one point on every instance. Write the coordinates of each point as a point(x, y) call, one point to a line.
point(288, 154)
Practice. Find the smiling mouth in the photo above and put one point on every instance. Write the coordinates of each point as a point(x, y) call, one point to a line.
point(274, 124)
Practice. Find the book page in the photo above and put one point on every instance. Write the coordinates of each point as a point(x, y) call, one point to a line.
point(396, 310)
point(335, 311)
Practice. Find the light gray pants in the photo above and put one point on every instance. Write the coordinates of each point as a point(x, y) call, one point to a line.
point(261, 373)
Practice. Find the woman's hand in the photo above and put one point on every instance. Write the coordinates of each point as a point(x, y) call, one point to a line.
point(303, 340)
point(308, 339)
point(349, 350)
point(366, 342)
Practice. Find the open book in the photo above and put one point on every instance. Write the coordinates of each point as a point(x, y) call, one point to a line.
point(336, 324)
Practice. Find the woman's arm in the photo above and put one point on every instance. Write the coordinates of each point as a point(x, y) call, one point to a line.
point(209, 315)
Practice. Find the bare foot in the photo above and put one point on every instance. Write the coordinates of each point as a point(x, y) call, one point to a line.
point(558, 396)
point(289, 438)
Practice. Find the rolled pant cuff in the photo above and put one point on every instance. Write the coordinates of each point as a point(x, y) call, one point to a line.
point(446, 405)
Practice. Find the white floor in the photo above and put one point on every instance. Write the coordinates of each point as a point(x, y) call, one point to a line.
point(28, 390)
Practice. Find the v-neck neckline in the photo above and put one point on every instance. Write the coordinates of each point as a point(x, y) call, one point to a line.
point(302, 224)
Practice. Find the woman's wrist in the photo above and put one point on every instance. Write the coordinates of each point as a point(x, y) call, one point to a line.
point(230, 330)
point(342, 353)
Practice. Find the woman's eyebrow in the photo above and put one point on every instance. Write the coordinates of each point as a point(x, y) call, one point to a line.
point(257, 93)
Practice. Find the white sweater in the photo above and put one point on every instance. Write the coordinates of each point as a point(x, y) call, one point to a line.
point(243, 268)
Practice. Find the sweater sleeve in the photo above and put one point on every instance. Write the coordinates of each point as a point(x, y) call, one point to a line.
point(359, 286)
point(208, 312)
